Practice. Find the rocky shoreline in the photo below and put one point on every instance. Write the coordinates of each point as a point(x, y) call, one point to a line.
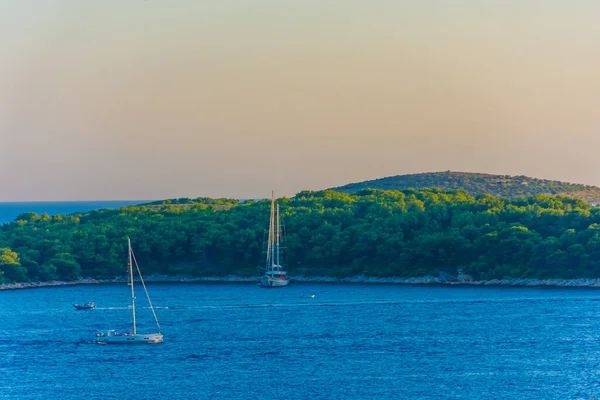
point(31, 285)
point(425, 280)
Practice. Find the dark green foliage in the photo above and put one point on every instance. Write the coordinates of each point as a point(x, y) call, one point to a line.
point(373, 232)
point(475, 184)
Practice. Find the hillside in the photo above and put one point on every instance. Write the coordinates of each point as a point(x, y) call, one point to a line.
point(374, 233)
point(473, 183)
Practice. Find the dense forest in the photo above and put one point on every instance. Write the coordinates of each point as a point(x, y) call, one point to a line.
point(475, 184)
point(378, 233)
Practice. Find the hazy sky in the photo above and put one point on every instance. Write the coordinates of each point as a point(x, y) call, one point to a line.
point(134, 99)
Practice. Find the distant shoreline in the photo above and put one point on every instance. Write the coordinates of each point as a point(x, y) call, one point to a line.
point(33, 285)
point(420, 281)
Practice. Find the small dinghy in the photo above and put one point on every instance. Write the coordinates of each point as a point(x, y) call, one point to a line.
point(86, 306)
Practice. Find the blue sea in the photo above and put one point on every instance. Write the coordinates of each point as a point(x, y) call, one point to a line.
point(10, 210)
point(351, 341)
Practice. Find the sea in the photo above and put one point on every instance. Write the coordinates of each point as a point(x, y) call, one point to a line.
point(10, 210)
point(304, 341)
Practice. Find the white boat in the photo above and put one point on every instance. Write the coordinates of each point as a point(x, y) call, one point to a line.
point(274, 275)
point(132, 337)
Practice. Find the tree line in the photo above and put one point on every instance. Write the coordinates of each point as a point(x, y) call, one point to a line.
point(406, 233)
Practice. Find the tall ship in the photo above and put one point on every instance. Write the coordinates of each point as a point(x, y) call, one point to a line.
point(274, 275)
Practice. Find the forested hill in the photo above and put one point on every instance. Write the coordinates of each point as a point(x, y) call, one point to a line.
point(473, 183)
point(376, 233)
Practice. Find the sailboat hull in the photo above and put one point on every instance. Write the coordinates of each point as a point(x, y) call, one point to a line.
point(268, 281)
point(140, 338)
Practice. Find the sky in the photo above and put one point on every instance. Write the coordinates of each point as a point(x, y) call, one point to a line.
point(153, 99)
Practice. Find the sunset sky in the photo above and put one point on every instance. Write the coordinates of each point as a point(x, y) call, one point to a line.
point(152, 99)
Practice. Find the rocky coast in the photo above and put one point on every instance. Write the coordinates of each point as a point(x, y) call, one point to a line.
point(425, 280)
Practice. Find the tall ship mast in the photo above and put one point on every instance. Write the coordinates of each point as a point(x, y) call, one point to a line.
point(274, 275)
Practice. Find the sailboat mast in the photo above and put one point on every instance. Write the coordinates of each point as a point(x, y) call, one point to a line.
point(131, 280)
point(272, 229)
point(278, 234)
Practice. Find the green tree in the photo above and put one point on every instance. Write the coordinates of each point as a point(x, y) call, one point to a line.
point(10, 266)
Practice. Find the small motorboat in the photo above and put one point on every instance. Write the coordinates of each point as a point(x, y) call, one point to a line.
point(86, 306)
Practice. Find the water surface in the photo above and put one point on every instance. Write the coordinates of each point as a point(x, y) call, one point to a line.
point(237, 341)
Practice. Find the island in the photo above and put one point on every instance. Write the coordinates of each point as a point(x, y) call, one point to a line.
point(418, 236)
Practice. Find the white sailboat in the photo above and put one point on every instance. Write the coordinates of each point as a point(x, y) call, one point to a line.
point(274, 275)
point(133, 337)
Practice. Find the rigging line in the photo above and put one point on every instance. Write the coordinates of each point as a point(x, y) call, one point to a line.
point(146, 290)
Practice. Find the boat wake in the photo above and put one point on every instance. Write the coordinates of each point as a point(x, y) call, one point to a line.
point(311, 304)
point(88, 342)
point(129, 308)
